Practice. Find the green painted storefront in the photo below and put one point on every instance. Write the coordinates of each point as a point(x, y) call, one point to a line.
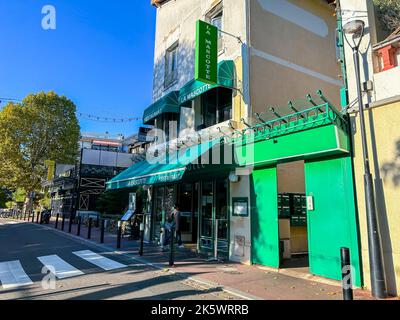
point(318, 136)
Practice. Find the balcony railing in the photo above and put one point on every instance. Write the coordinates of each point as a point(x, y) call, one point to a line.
point(316, 116)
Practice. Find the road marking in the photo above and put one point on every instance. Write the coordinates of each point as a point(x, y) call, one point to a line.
point(12, 222)
point(12, 275)
point(61, 268)
point(98, 260)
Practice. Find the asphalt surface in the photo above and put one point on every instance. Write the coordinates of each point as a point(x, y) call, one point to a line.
point(22, 244)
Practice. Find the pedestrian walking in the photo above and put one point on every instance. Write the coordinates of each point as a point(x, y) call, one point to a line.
point(177, 220)
point(168, 226)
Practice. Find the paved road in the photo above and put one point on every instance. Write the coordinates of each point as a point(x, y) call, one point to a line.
point(80, 271)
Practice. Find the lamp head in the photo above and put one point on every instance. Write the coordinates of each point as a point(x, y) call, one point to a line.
point(355, 28)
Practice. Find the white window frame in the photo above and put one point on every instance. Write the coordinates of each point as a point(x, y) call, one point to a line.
point(212, 14)
point(170, 77)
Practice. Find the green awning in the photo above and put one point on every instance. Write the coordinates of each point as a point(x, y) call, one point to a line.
point(167, 104)
point(165, 171)
point(194, 88)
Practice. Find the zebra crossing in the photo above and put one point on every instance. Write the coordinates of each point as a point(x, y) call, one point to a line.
point(13, 275)
point(8, 222)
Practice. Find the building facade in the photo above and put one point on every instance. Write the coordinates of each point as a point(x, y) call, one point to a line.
point(380, 78)
point(75, 188)
point(279, 187)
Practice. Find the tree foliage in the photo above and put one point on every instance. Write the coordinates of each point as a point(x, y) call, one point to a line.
point(43, 127)
point(19, 195)
point(115, 202)
point(5, 197)
point(388, 12)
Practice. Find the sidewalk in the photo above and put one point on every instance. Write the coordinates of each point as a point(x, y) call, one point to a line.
point(246, 282)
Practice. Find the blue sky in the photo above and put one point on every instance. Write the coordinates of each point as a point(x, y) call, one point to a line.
point(100, 56)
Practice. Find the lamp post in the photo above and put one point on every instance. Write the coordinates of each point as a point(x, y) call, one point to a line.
point(356, 29)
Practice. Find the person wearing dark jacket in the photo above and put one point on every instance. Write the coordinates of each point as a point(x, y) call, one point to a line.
point(177, 218)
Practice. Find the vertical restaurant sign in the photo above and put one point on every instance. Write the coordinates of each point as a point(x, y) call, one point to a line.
point(206, 68)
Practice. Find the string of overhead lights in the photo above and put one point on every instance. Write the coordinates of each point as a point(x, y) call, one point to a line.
point(87, 116)
point(106, 119)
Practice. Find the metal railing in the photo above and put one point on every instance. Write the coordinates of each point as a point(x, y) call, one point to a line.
point(316, 116)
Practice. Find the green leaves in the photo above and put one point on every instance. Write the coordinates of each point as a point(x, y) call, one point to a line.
point(43, 127)
point(388, 14)
point(113, 202)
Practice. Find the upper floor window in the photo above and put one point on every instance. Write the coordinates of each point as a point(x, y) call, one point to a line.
point(169, 124)
point(217, 22)
point(105, 148)
point(215, 17)
point(216, 107)
point(171, 65)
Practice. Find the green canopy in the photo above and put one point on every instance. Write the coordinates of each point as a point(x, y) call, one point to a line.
point(194, 88)
point(166, 170)
point(168, 103)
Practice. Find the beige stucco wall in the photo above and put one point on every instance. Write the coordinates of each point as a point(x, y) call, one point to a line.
point(383, 134)
point(291, 177)
point(293, 53)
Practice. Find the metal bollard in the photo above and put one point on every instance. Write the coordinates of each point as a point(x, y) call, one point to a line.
point(24, 216)
point(63, 222)
point(346, 274)
point(70, 224)
point(57, 217)
point(89, 233)
point(37, 217)
point(102, 231)
point(78, 232)
point(171, 252)
point(141, 238)
point(33, 217)
point(119, 232)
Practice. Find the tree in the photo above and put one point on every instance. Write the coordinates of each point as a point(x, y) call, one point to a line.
point(388, 12)
point(5, 196)
point(113, 202)
point(43, 127)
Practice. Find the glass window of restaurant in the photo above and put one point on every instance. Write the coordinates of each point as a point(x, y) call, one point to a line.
point(164, 200)
point(216, 106)
point(213, 207)
point(188, 201)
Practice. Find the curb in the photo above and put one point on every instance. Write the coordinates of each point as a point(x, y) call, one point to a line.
point(158, 266)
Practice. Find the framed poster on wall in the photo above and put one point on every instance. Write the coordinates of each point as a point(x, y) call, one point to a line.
point(240, 207)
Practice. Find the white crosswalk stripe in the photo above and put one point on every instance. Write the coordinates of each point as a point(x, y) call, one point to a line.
point(98, 260)
point(59, 267)
point(4, 223)
point(12, 275)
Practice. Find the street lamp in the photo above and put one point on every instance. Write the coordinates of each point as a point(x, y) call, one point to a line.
point(356, 29)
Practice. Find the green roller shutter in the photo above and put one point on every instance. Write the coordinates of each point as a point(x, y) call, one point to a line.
point(265, 227)
point(332, 224)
